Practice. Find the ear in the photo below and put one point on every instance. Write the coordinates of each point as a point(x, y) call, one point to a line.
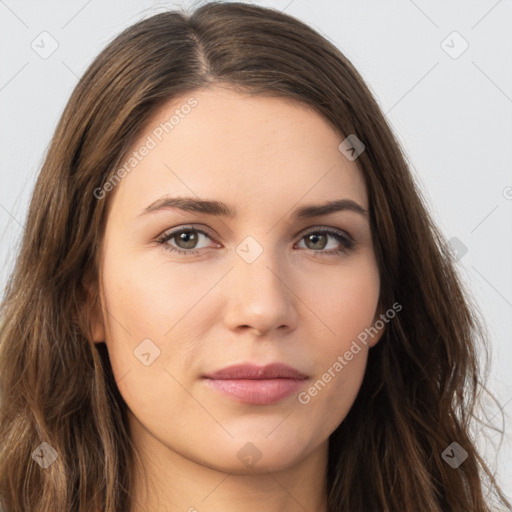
point(94, 309)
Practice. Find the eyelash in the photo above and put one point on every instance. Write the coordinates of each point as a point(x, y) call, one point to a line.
point(340, 236)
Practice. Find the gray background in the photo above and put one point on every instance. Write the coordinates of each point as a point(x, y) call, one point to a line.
point(450, 110)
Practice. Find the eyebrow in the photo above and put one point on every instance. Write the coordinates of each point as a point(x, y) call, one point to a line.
point(210, 207)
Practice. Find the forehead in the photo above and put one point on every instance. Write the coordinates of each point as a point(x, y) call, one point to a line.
point(241, 149)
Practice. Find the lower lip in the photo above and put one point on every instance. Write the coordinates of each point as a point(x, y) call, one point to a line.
point(257, 392)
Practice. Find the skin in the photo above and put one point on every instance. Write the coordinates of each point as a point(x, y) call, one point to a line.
point(264, 157)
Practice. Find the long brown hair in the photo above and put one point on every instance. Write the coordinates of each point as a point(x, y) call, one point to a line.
point(422, 380)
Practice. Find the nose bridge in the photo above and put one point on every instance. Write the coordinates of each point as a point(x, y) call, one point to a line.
point(260, 295)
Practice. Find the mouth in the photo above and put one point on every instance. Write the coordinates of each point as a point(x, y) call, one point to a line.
point(256, 385)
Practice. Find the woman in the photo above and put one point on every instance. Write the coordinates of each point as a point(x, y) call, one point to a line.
point(230, 295)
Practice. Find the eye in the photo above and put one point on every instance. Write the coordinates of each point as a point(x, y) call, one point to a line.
point(185, 240)
point(318, 240)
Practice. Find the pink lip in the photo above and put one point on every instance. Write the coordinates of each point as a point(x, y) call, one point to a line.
point(257, 385)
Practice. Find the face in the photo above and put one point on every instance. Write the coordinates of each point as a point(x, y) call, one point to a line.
point(186, 293)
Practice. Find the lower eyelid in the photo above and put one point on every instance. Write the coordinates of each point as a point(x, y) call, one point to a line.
point(165, 238)
point(345, 240)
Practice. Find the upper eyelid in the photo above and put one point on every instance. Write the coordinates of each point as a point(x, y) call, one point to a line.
point(170, 233)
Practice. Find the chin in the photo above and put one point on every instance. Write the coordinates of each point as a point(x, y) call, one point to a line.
point(257, 454)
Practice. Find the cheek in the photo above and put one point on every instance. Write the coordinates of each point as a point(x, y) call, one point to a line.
point(148, 346)
point(134, 319)
point(346, 303)
point(154, 319)
point(147, 299)
point(347, 306)
point(340, 363)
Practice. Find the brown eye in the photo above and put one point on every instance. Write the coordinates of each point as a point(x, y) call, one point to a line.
point(188, 238)
point(183, 240)
point(318, 241)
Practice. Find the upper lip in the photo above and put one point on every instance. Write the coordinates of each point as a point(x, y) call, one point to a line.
point(253, 371)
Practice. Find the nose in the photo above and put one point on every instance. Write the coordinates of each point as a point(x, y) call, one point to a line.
point(260, 296)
